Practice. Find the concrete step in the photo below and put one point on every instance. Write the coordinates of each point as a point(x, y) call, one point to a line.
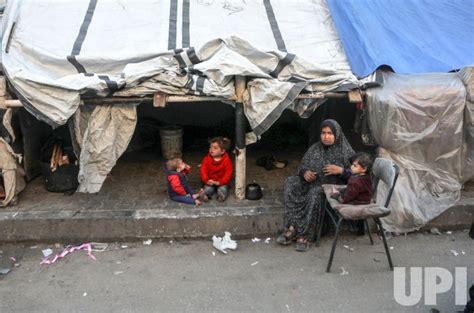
point(112, 225)
point(137, 224)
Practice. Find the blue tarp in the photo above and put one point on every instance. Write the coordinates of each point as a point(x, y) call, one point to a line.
point(410, 36)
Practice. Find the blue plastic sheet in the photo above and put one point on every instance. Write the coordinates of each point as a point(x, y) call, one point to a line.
point(410, 36)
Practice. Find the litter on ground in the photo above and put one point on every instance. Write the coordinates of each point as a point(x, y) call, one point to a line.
point(349, 248)
point(256, 239)
point(147, 242)
point(4, 271)
point(254, 263)
point(68, 250)
point(224, 243)
point(343, 271)
point(47, 252)
point(99, 246)
point(454, 252)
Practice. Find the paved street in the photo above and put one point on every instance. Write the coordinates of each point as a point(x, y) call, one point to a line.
point(191, 276)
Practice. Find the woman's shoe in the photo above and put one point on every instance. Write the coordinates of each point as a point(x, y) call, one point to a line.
point(286, 237)
point(302, 245)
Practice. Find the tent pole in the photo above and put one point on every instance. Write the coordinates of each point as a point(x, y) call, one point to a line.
point(240, 153)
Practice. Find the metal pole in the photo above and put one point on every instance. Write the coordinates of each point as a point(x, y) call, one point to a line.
point(240, 153)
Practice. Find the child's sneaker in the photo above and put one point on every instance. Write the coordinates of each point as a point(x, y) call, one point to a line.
point(203, 196)
point(220, 196)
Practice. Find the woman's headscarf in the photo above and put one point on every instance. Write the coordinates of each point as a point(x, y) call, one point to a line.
point(319, 155)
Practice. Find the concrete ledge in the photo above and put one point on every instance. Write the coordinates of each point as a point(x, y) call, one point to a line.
point(243, 221)
point(460, 216)
point(110, 225)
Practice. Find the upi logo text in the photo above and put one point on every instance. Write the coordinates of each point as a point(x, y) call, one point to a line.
point(433, 280)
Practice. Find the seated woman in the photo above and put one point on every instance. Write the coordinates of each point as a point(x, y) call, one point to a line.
point(323, 163)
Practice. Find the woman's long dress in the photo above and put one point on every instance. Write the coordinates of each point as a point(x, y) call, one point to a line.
point(303, 200)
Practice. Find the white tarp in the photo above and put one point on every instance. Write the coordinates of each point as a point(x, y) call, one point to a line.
point(418, 121)
point(55, 51)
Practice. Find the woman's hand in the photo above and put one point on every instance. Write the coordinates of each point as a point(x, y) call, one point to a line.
point(309, 176)
point(332, 169)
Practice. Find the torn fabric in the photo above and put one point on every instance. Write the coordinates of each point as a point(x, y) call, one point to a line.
point(109, 131)
point(13, 174)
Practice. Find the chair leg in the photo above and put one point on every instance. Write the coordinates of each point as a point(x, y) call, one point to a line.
point(333, 249)
point(387, 250)
point(366, 223)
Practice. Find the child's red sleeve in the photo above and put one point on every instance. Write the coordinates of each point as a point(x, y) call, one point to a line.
point(352, 191)
point(204, 171)
point(228, 169)
point(176, 185)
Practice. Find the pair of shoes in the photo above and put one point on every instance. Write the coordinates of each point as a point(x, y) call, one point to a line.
point(269, 162)
point(286, 237)
point(302, 245)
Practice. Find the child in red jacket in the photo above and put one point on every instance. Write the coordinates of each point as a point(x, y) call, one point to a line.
point(216, 169)
point(178, 187)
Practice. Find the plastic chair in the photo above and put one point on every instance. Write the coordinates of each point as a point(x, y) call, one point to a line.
point(383, 169)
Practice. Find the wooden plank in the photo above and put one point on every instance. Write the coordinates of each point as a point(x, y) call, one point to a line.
point(355, 96)
point(240, 152)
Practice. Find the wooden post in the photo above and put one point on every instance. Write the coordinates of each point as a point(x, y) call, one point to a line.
point(240, 157)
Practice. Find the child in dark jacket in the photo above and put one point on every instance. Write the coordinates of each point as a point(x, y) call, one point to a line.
point(216, 169)
point(359, 185)
point(178, 187)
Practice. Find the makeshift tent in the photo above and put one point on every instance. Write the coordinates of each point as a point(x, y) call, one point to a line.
point(410, 36)
point(57, 52)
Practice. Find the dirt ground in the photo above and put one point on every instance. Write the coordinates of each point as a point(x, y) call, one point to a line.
point(138, 181)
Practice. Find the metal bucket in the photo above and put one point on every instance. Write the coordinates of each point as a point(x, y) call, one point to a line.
point(171, 141)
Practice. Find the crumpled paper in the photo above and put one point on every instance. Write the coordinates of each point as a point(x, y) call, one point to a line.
point(223, 243)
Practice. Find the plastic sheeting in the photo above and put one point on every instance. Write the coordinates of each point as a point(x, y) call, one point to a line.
point(411, 36)
point(467, 76)
point(417, 120)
